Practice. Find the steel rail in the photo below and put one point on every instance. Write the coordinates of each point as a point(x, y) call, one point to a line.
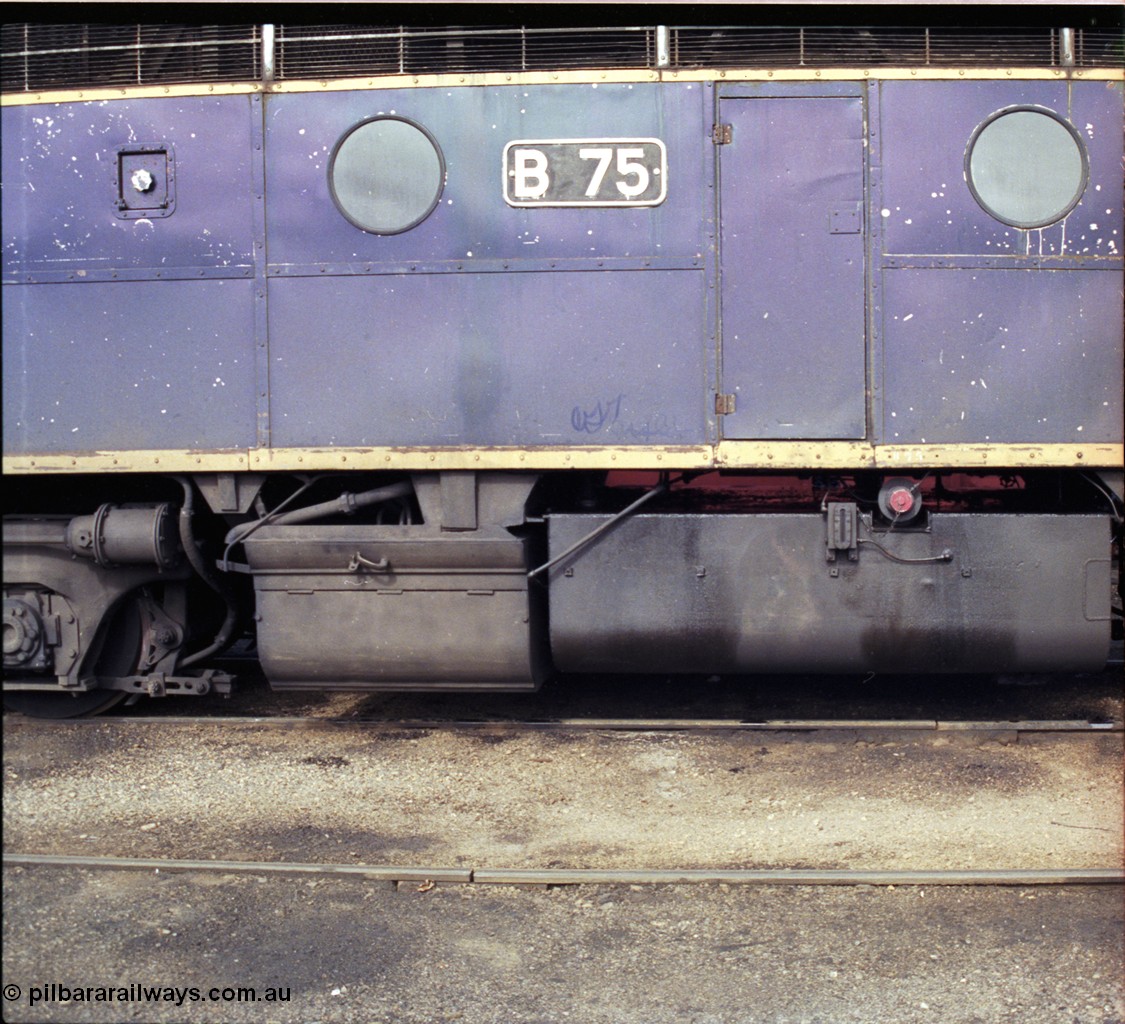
point(599, 724)
point(593, 876)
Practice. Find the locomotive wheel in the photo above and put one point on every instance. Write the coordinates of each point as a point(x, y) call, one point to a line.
point(119, 656)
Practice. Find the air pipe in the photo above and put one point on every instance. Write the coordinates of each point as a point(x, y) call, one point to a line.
point(187, 538)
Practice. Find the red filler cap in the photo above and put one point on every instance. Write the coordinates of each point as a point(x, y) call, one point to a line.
point(901, 500)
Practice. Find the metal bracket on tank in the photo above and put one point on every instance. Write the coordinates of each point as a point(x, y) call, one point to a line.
point(840, 524)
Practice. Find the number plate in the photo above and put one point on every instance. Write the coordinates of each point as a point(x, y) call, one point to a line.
point(585, 172)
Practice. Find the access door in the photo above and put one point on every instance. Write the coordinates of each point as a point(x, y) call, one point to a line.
point(793, 351)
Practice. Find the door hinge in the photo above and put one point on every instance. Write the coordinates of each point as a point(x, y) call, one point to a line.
point(722, 134)
point(724, 405)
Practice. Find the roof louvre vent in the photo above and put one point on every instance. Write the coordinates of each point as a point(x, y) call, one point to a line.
point(39, 57)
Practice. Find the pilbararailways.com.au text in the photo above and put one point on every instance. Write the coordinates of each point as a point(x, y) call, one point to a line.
point(135, 993)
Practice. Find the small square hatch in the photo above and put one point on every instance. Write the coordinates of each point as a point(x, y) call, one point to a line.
point(146, 180)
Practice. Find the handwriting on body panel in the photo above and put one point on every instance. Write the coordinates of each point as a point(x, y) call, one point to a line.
point(605, 416)
point(591, 419)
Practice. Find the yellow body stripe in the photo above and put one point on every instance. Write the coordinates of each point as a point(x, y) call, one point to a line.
point(769, 455)
point(585, 77)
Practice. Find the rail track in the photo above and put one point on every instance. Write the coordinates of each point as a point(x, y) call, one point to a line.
point(783, 725)
point(428, 875)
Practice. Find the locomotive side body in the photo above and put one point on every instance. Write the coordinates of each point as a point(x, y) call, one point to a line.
point(401, 343)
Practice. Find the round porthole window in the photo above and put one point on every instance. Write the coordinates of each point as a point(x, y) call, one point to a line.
point(386, 175)
point(1026, 166)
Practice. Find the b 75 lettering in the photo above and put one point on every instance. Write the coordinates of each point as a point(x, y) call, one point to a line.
point(585, 172)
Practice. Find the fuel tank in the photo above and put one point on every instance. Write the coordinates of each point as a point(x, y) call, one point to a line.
point(815, 593)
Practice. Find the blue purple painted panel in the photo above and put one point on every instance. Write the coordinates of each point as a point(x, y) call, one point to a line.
point(118, 359)
point(794, 352)
point(926, 205)
point(1002, 356)
point(489, 359)
point(60, 178)
point(144, 364)
point(472, 220)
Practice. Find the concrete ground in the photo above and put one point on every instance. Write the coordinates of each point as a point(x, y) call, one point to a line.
point(354, 950)
point(485, 798)
point(351, 951)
